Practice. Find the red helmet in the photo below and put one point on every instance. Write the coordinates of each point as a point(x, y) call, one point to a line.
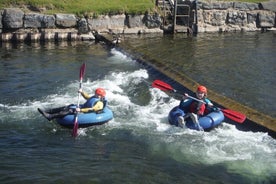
point(100, 92)
point(202, 89)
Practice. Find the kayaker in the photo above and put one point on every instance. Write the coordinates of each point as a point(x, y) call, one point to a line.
point(193, 108)
point(94, 103)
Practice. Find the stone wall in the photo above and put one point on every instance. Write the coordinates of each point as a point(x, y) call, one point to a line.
point(236, 16)
point(16, 25)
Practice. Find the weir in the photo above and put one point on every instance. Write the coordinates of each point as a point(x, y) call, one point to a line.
point(256, 121)
point(254, 118)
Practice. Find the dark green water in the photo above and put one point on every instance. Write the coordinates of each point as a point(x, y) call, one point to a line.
point(137, 146)
point(240, 66)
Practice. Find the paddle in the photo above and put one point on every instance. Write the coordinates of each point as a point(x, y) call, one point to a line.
point(75, 128)
point(233, 115)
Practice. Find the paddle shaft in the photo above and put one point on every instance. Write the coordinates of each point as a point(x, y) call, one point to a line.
point(195, 99)
point(75, 128)
point(80, 86)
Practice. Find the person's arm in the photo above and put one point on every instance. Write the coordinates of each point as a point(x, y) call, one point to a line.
point(84, 94)
point(210, 106)
point(208, 102)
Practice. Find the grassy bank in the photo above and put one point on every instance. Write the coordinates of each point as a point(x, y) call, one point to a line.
point(84, 7)
point(92, 7)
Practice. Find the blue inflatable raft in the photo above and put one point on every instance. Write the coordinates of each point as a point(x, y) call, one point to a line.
point(206, 122)
point(86, 119)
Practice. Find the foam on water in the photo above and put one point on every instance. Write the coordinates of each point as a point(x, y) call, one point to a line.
point(119, 57)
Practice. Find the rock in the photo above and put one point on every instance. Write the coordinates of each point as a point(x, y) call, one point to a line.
point(83, 26)
point(104, 23)
point(133, 21)
point(152, 21)
point(66, 20)
point(12, 18)
point(34, 20)
point(237, 18)
point(266, 19)
point(271, 6)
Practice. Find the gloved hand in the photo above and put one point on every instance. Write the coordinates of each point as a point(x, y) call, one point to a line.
point(185, 96)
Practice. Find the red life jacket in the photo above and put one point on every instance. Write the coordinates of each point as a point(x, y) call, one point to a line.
point(197, 108)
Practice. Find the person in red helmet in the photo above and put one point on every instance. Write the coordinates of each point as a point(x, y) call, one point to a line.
point(93, 103)
point(194, 108)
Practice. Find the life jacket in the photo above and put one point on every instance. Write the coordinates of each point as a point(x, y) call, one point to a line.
point(104, 102)
point(90, 102)
point(197, 107)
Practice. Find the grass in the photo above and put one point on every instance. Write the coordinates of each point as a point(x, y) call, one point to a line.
point(85, 7)
point(92, 7)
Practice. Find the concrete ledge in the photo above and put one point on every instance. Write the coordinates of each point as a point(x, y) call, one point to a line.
point(36, 37)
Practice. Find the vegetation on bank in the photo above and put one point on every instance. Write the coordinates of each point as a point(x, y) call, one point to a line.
point(91, 7)
point(84, 7)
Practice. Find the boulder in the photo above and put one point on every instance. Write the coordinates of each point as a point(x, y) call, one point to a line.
point(34, 20)
point(271, 6)
point(12, 18)
point(66, 20)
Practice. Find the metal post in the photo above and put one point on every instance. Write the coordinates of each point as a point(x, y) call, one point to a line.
point(195, 27)
point(174, 18)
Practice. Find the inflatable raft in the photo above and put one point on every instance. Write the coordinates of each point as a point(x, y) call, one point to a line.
point(86, 119)
point(206, 122)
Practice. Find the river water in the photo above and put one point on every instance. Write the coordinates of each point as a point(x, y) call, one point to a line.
point(240, 66)
point(138, 145)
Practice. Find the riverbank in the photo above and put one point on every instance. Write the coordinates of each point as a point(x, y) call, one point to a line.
point(19, 25)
